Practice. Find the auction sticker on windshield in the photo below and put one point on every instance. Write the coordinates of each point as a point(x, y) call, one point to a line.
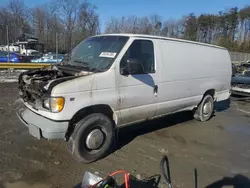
point(107, 54)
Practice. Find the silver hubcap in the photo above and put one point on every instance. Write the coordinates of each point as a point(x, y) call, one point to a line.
point(95, 139)
point(207, 108)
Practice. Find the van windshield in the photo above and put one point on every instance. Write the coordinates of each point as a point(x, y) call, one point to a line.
point(97, 53)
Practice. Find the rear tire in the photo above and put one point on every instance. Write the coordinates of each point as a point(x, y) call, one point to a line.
point(205, 109)
point(92, 138)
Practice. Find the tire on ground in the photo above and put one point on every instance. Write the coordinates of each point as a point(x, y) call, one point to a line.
point(77, 142)
point(200, 114)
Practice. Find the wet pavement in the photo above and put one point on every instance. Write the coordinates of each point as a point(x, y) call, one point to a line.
point(217, 148)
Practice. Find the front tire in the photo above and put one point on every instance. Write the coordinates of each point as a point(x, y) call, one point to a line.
point(92, 138)
point(205, 109)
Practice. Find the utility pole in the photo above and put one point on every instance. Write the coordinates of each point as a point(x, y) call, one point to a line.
point(56, 39)
point(56, 47)
point(7, 32)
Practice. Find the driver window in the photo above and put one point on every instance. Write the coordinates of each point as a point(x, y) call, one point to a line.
point(143, 51)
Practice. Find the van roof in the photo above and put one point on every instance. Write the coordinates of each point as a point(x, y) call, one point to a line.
point(161, 38)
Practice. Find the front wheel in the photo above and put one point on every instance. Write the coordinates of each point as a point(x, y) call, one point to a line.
point(205, 109)
point(92, 138)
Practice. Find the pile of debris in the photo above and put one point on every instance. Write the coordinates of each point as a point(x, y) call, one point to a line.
point(241, 79)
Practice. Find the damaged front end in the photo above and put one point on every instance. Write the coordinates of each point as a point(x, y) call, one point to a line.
point(36, 85)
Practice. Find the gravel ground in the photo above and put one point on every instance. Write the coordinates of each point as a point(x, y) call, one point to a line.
point(217, 148)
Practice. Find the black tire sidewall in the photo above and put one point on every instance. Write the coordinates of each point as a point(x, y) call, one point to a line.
point(90, 122)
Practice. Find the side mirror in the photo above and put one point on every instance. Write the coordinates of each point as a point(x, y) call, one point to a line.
point(133, 66)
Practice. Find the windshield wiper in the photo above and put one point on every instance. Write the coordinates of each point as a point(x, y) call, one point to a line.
point(97, 70)
point(86, 65)
point(82, 62)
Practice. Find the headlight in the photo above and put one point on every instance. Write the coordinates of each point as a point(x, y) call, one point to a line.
point(54, 104)
point(46, 104)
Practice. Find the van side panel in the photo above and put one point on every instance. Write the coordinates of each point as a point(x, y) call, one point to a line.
point(188, 71)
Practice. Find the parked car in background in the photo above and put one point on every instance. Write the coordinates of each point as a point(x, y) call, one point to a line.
point(49, 58)
point(14, 57)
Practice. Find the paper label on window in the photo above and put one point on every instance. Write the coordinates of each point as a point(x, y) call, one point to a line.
point(108, 54)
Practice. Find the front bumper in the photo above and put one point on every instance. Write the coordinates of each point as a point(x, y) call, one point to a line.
point(240, 91)
point(41, 127)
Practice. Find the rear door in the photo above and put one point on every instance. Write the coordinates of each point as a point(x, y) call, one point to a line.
point(138, 92)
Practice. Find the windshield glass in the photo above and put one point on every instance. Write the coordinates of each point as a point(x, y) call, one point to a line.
point(97, 52)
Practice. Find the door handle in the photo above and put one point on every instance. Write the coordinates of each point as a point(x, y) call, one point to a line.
point(155, 89)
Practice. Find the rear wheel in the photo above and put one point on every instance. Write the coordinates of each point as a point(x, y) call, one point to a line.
point(205, 109)
point(92, 138)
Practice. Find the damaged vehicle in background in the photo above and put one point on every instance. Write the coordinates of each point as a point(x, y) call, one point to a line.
point(242, 67)
point(241, 84)
point(109, 81)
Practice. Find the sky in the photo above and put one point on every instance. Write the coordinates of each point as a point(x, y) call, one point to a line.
point(165, 8)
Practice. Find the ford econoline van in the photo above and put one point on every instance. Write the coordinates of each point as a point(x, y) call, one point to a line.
point(113, 80)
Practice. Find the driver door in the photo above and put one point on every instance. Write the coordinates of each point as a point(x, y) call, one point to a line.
point(138, 91)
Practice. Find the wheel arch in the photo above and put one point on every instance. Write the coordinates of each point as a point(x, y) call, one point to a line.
point(197, 110)
point(211, 92)
point(98, 108)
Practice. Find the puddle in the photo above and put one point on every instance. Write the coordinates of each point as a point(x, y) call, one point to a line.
point(245, 129)
point(21, 184)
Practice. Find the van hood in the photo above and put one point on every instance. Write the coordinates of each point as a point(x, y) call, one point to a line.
point(37, 84)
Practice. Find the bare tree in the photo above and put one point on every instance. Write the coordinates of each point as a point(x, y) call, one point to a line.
point(134, 24)
point(15, 16)
point(112, 26)
point(156, 22)
point(69, 8)
point(88, 21)
point(145, 26)
point(5, 19)
point(39, 18)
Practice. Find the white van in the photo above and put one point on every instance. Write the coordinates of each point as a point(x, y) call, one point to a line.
point(109, 81)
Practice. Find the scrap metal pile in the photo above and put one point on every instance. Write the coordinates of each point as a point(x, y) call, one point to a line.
point(241, 79)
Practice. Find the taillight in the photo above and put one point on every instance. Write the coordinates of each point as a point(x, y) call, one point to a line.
point(20, 57)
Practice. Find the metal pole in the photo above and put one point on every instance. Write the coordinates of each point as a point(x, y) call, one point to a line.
point(56, 39)
point(56, 48)
point(7, 32)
